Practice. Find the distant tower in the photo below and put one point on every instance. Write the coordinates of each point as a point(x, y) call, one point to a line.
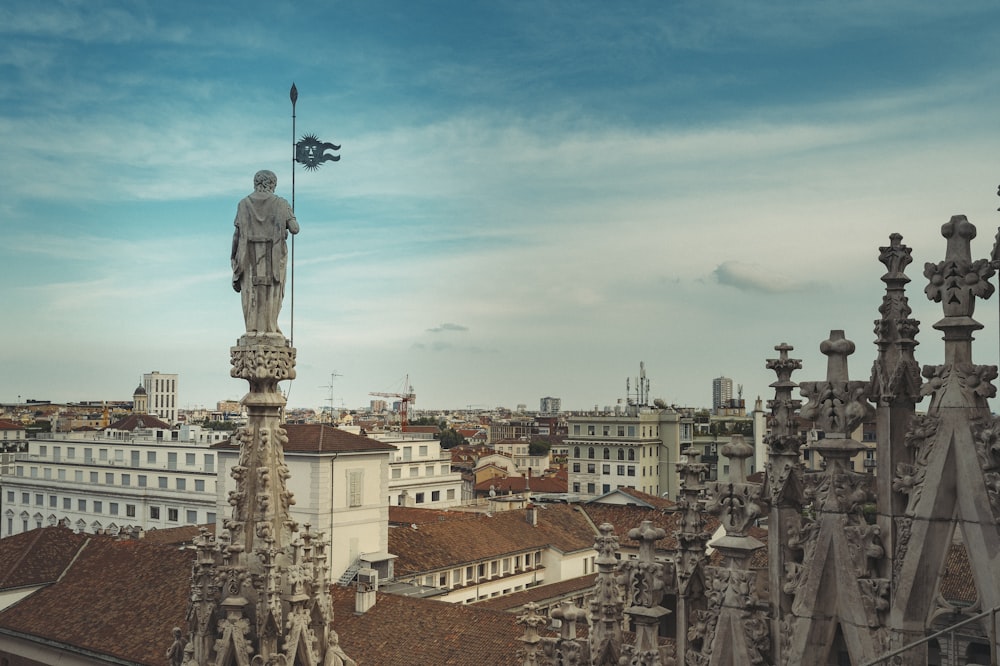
point(161, 395)
point(722, 392)
point(140, 400)
point(550, 405)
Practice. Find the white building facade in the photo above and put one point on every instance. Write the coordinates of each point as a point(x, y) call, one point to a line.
point(640, 449)
point(420, 472)
point(161, 395)
point(110, 481)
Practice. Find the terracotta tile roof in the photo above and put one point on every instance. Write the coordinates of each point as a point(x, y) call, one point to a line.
point(517, 484)
point(322, 438)
point(10, 425)
point(402, 631)
point(37, 557)
point(957, 582)
point(451, 543)
point(134, 422)
point(176, 536)
point(644, 498)
point(626, 516)
point(407, 515)
point(118, 598)
point(513, 602)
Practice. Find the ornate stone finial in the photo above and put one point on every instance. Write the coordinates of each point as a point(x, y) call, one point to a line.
point(784, 435)
point(957, 281)
point(838, 405)
point(896, 257)
point(531, 620)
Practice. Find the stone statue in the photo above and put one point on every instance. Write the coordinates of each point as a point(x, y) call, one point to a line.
point(260, 253)
point(175, 653)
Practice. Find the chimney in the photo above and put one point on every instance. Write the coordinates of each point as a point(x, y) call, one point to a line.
point(532, 515)
point(364, 597)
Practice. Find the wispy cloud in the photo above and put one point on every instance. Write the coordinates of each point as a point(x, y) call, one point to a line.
point(447, 327)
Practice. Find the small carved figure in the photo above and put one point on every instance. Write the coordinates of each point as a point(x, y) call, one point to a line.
point(260, 252)
point(175, 653)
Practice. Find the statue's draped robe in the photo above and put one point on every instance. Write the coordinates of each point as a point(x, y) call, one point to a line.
point(259, 257)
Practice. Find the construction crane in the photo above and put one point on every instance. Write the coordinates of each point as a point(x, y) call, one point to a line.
point(404, 399)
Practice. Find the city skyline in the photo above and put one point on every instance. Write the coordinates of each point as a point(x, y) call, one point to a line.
point(532, 199)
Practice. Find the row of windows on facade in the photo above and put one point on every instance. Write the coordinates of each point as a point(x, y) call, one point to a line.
point(477, 572)
point(172, 515)
point(606, 453)
point(420, 498)
point(135, 457)
point(81, 525)
point(620, 430)
point(124, 479)
point(397, 472)
point(408, 452)
point(96, 506)
point(622, 470)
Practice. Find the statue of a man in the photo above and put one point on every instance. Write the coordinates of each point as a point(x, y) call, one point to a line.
point(260, 253)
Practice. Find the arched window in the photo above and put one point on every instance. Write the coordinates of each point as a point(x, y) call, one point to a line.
point(590, 453)
point(621, 454)
point(607, 453)
point(631, 454)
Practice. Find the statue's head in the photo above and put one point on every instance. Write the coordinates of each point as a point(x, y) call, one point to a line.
point(264, 181)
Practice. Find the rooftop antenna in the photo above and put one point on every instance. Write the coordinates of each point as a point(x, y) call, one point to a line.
point(330, 386)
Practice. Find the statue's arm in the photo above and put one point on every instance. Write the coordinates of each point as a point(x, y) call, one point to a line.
point(234, 255)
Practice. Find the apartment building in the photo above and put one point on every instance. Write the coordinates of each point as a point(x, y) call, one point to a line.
point(639, 448)
point(161, 395)
point(137, 473)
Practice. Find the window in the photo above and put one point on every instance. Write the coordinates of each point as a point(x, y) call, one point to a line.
point(422, 450)
point(78, 476)
point(621, 431)
point(10, 496)
point(162, 481)
point(126, 479)
point(631, 470)
point(61, 474)
point(130, 510)
point(606, 469)
point(576, 429)
point(429, 470)
point(631, 454)
point(113, 508)
point(20, 470)
point(71, 452)
point(576, 467)
point(93, 477)
point(134, 457)
point(47, 472)
point(25, 498)
point(199, 485)
point(355, 491)
point(606, 430)
point(210, 463)
point(210, 517)
point(590, 453)
point(591, 468)
point(67, 504)
point(109, 478)
point(420, 498)
point(590, 488)
point(591, 429)
point(142, 480)
point(191, 517)
point(42, 450)
point(172, 515)
point(445, 469)
point(154, 512)
point(98, 506)
point(576, 487)
point(171, 460)
point(150, 457)
point(450, 493)
point(53, 501)
point(631, 431)
point(88, 455)
point(189, 459)
point(39, 499)
point(435, 495)
point(102, 454)
point(414, 471)
point(606, 488)
point(607, 453)
point(396, 473)
point(81, 505)
point(34, 472)
point(621, 470)
point(181, 484)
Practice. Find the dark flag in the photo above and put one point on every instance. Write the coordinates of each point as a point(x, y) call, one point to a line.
point(311, 152)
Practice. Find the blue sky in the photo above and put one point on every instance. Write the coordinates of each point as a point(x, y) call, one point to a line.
point(533, 197)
